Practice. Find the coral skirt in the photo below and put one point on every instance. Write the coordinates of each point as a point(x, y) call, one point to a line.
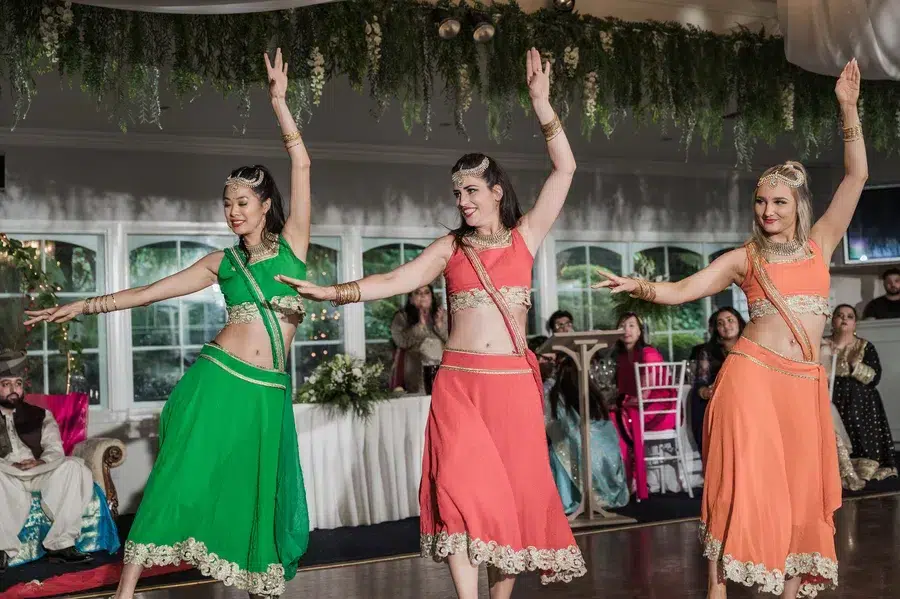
point(487, 489)
point(771, 472)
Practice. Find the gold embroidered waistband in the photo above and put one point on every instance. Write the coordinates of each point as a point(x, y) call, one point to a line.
point(758, 362)
point(485, 370)
point(243, 377)
point(473, 298)
point(284, 306)
point(481, 353)
point(779, 354)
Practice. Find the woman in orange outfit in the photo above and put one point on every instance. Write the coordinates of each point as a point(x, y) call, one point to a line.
point(770, 462)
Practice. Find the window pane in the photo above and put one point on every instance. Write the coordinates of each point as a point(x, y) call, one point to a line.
point(155, 325)
point(151, 263)
point(683, 263)
point(34, 375)
point(91, 383)
point(204, 318)
point(379, 314)
point(574, 302)
point(323, 321)
point(155, 374)
point(723, 299)
point(191, 251)
point(682, 343)
point(576, 271)
point(661, 342)
point(307, 357)
point(603, 310)
point(12, 317)
point(72, 267)
point(84, 329)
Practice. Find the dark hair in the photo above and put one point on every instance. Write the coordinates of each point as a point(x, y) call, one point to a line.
point(536, 342)
point(714, 330)
point(266, 190)
point(891, 271)
point(567, 389)
point(412, 312)
point(556, 316)
point(510, 212)
point(855, 313)
point(641, 342)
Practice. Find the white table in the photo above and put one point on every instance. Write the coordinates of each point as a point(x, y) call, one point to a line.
point(358, 472)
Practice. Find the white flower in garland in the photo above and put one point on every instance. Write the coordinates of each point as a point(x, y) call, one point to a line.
point(464, 98)
point(56, 18)
point(589, 99)
point(373, 44)
point(570, 59)
point(659, 40)
point(787, 106)
point(317, 77)
point(606, 41)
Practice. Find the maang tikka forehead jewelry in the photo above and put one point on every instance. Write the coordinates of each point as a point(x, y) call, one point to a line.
point(773, 179)
point(476, 171)
point(233, 183)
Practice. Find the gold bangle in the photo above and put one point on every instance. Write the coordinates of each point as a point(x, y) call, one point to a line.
point(288, 146)
point(551, 129)
point(645, 290)
point(853, 132)
point(115, 305)
point(346, 293)
point(85, 306)
point(289, 137)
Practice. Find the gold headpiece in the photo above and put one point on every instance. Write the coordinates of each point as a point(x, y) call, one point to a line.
point(234, 183)
point(773, 179)
point(476, 171)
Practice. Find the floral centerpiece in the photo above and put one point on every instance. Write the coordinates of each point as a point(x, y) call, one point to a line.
point(346, 384)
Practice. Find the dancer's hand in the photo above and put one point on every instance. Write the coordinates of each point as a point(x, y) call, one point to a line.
point(309, 290)
point(847, 87)
point(615, 283)
point(277, 75)
point(63, 313)
point(538, 78)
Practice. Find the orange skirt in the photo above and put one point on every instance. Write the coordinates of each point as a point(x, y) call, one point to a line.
point(486, 484)
point(771, 472)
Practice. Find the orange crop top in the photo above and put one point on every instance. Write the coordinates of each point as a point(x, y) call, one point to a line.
point(509, 268)
point(804, 283)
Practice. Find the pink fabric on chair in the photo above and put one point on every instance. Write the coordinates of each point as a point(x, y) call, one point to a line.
point(629, 426)
point(70, 412)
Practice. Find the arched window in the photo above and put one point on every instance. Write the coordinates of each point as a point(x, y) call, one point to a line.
point(75, 263)
point(576, 271)
point(381, 255)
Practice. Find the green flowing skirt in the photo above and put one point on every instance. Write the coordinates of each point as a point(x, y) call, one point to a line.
point(226, 492)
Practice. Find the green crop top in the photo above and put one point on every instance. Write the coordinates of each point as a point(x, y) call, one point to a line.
point(283, 298)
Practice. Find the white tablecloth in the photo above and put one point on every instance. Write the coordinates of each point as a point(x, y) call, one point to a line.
point(360, 472)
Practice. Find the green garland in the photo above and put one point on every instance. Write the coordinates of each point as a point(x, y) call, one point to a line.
point(603, 69)
point(39, 291)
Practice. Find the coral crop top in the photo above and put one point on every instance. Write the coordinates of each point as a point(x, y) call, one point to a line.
point(804, 283)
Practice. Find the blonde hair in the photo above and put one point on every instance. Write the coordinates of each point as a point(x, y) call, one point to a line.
point(795, 176)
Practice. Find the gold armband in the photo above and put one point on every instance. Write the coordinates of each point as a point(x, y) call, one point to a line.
point(346, 293)
point(99, 304)
point(645, 290)
point(853, 132)
point(551, 129)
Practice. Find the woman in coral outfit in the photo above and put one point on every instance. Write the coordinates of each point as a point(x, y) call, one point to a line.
point(770, 462)
point(487, 494)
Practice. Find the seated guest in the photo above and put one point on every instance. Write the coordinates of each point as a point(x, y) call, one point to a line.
point(726, 326)
point(32, 459)
point(560, 321)
point(633, 349)
point(419, 332)
point(562, 415)
point(856, 397)
point(888, 305)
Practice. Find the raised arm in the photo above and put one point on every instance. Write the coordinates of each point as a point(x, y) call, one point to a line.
point(829, 229)
point(296, 228)
point(199, 275)
point(728, 268)
point(410, 276)
point(535, 225)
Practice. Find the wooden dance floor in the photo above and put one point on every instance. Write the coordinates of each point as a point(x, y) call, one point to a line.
point(649, 562)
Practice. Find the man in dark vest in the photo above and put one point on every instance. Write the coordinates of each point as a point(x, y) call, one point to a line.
point(32, 459)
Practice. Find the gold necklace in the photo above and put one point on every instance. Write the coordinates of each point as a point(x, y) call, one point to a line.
point(499, 239)
point(783, 249)
point(266, 248)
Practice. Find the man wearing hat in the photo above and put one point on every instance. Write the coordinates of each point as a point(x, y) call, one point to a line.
point(32, 459)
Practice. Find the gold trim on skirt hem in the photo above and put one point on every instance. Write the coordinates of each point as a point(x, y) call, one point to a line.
point(556, 565)
point(195, 553)
point(772, 581)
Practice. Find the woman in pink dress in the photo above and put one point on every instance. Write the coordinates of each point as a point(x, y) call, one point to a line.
point(632, 349)
point(487, 493)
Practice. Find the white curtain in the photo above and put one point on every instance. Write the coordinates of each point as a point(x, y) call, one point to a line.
point(201, 6)
point(822, 35)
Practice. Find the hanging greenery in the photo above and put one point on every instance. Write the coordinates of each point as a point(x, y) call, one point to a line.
point(603, 69)
point(39, 291)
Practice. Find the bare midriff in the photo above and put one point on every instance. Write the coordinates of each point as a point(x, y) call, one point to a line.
point(250, 341)
point(483, 330)
point(773, 333)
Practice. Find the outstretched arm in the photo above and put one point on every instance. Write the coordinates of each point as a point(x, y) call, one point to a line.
point(198, 276)
point(296, 228)
point(726, 269)
point(420, 271)
point(829, 230)
point(535, 225)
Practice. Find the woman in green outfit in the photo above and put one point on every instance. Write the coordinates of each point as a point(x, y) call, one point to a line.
point(226, 492)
